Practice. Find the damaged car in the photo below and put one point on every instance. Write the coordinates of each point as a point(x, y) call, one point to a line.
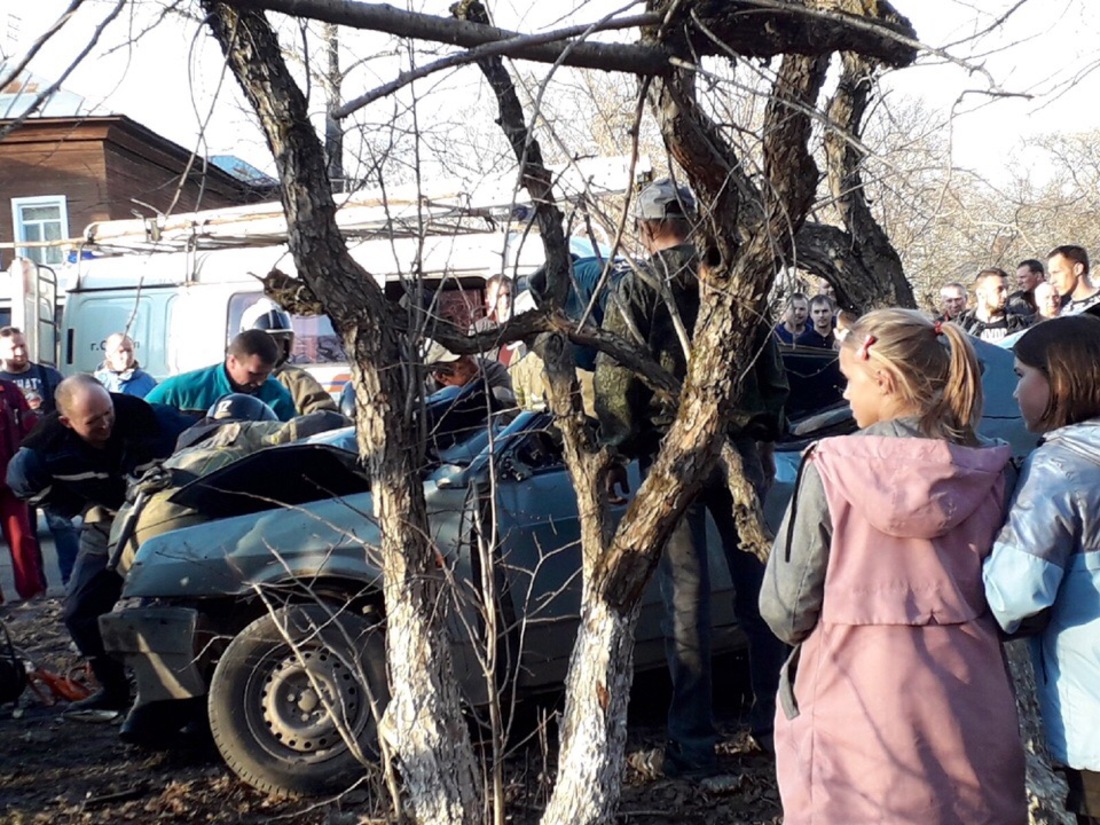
point(268, 617)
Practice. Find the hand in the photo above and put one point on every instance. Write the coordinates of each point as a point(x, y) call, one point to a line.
point(614, 480)
point(767, 461)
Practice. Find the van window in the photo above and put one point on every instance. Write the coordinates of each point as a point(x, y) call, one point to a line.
point(315, 341)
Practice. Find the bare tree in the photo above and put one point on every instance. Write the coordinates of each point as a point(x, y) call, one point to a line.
point(748, 231)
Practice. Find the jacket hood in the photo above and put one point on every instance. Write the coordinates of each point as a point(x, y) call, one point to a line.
point(1082, 438)
point(911, 487)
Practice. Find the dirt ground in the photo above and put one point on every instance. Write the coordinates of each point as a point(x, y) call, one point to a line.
point(59, 771)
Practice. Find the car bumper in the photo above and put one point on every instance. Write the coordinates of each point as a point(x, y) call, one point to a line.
point(158, 644)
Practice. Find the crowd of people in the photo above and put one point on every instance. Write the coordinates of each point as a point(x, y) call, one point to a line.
point(909, 551)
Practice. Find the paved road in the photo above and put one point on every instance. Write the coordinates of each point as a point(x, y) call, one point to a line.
point(53, 577)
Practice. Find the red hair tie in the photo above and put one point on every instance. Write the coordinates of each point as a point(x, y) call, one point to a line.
point(864, 352)
point(937, 328)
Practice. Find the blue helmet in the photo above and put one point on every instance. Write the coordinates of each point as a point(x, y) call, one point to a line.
point(236, 406)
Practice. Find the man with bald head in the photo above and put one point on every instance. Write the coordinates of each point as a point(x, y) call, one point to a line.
point(77, 461)
point(120, 371)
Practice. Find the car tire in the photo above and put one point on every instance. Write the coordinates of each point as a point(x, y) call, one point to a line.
point(285, 686)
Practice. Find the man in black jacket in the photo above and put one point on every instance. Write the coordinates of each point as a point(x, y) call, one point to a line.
point(77, 461)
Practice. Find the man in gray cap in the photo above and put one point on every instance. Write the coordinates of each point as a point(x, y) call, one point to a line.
point(656, 305)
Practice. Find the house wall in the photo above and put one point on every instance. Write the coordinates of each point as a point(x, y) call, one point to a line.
point(102, 166)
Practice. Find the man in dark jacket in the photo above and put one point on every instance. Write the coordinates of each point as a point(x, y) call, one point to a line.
point(77, 461)
point(656, 306)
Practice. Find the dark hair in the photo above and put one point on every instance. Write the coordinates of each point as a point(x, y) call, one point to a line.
point(992, 272)
point(822, 299)
point(1034, 265)
point(797, 296)
point(498, 281)
point(9, 332)
point(254, 342)
point(1067, 351)
point(1074, 254)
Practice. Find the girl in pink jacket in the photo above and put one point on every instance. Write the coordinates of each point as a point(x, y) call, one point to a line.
point(896, 705)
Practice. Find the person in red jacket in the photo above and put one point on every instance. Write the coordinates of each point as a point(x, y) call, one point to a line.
point(16, 421)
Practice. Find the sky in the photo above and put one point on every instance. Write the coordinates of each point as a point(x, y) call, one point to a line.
point(169, 75)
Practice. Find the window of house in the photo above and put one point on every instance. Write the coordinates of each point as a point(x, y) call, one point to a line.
point(41, 219)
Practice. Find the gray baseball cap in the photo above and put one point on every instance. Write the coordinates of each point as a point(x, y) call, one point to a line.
point(435, 353)
point(664, 199)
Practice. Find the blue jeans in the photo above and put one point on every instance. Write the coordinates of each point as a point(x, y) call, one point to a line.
point(684, 578)
point(66, 542)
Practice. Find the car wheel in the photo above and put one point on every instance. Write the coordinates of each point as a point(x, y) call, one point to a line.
point(290, 693)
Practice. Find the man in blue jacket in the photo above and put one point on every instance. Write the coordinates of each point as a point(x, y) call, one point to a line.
point(76, 462)
point(249, 361)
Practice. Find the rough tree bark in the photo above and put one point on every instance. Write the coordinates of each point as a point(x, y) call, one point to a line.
point(423, 722)
point(1046, 790)
point(869, 244)
point(739, 264)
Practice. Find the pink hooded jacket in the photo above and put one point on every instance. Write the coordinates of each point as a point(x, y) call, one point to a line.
point(897, 707)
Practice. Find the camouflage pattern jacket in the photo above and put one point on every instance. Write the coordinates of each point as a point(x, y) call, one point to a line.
point(643, 309)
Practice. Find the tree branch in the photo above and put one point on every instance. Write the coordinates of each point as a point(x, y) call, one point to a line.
point(383, 18)
point(754, 28)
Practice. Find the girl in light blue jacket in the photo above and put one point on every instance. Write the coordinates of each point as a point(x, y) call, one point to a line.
point(1045, 565)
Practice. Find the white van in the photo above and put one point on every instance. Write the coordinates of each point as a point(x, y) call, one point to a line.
point(178, 285)
point(182, 308)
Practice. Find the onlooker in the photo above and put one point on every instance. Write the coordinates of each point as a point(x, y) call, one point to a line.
point(989, 320)
point(896, 705)
point(820, 332)
point(1044, 572)
point(827, 289)
point(120, 371)
point(249, 361)
point(953, 301)
point(845, 320)
point(77, 461)
point(1048, 301)
point(306, 391)
point(1069, 275)
point(1029, 274)
point(647, 307)
point(39, 383)
point(16, 421)
point(794, 319)
point(499, 301)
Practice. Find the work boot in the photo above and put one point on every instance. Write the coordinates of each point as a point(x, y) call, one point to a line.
point(114, 690)
point(157, 724)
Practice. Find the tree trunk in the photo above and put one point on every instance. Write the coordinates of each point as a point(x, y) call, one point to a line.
point(1046, 790)
point(593, 729)
point(424, 722)
point(880, 279)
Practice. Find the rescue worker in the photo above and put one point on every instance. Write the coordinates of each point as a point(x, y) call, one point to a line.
point(249, 361)
point(307, 392)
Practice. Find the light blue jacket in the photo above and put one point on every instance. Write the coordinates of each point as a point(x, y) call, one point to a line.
point(196, 391)
point(1047, 557)
point(134, 381)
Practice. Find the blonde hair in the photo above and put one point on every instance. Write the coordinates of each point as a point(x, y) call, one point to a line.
point(934, 365)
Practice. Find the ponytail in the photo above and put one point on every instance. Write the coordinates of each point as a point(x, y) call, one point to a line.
point(955, 410)
point(936, 370)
